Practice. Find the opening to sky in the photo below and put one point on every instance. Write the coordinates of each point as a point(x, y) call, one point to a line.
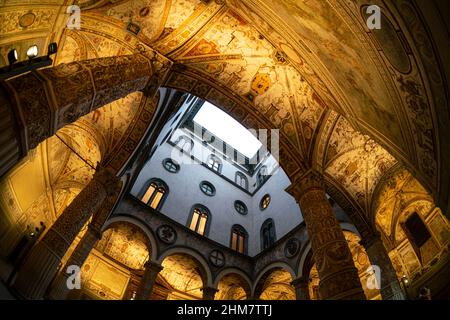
point(224, 127)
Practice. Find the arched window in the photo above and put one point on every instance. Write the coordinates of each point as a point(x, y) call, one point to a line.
point(268, 236)
point(241, 180)
point(261, 176)
point(185, 143)
point(170, 165)
point(214, 163)
point(199, 219)
point(239, 239)
point(155, 193)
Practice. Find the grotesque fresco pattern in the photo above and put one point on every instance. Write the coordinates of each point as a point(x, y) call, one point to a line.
point(182, 273)
point(374, 63)
point(232, 287)
point(125, 244)
point(356, 162)
point(277, 286)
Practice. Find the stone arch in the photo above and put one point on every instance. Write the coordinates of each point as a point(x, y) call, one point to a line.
point(206, 273)
point(245, 282)
point(304, 259)
point(152, 243)
point(290, 159)
point(274, 267)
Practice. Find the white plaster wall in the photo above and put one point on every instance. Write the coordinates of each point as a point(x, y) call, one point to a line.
point(184, 192)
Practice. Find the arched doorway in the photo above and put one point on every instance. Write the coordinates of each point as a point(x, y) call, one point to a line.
point(183, 276)
point(275, 284)
point(233, 286)
point(114, 267)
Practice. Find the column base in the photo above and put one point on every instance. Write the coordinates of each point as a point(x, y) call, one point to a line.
point(37, 273)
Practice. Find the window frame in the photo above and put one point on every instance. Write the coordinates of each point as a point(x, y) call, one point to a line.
point(272, 234)
point(159, 184)
point(261, 176)
point(213, 188)
point(241, 203)
point(203, 210)
point(187, 141)
point(242, 177)
point(240, 233)
point(215, 160)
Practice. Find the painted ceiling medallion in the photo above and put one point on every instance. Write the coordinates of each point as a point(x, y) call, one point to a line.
point(27, 19)
point(144, 11)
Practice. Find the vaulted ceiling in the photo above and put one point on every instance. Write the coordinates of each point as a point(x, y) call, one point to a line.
point(349, 101)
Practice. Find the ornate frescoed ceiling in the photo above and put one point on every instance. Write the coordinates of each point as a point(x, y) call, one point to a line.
point(277, 286)
point(125, 244)
point(232, 287)
point(348, 101)
point(182, 273)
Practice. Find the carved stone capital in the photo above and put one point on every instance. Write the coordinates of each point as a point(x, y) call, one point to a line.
point(108, 179)
point(151, 266)
point(369, 240)
point(302, 184)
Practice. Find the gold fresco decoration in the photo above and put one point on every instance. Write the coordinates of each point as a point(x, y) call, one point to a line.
point(277, 286)
point(181, 272)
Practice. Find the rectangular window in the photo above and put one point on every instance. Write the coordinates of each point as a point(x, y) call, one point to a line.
point(194, 221)
point(201, 227)
point(234, 241)
point(148, 194)
point(241, 244)
point(157, 199)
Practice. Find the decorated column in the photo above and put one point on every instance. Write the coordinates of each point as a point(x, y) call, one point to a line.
point(209, 293)
point(301, 288)
point(145, 289)
point(390, 288)
point(40, 267)
point(338, 275)
point(60, 290)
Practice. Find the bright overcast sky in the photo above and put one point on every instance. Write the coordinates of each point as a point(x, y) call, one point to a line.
point(227, 129)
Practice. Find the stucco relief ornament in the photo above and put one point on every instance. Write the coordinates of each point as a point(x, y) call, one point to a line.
point(166, 234)
point(217, 258)
point(291, 248)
